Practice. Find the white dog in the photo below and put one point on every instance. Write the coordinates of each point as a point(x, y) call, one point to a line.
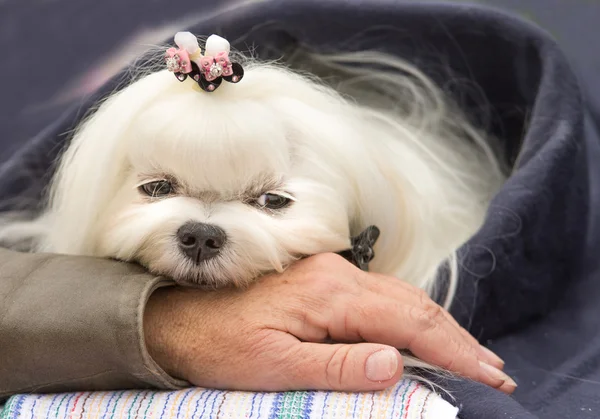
point(218, 187)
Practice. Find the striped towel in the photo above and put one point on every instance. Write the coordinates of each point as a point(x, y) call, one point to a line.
point(407, 400)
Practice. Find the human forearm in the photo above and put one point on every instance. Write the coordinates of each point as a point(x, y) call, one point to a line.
point(73, 323)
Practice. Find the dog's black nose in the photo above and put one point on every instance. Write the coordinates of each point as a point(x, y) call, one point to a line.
point(200, 241)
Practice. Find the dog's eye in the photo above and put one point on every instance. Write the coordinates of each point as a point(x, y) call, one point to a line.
point(157, 188)
point(274, 201)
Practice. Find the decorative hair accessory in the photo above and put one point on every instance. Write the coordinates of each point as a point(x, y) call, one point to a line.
point(208, 70)
point(362, 251)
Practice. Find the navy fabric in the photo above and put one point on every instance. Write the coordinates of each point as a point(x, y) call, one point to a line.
point(529, 278)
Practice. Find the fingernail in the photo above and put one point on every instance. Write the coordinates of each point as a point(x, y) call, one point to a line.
point(381, 365)
point(496, 374)
point(491, 356)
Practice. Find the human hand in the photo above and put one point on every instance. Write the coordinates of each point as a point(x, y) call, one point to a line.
point(270, 336)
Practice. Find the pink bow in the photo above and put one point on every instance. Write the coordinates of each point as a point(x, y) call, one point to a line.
point(178, 61)
point(217, 66)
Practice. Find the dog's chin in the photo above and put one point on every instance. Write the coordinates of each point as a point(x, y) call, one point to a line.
point(198, 279)
point(213, 274)
point(208, 284)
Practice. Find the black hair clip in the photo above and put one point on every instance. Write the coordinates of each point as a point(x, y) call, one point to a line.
point(362, 251)
point(208, 70)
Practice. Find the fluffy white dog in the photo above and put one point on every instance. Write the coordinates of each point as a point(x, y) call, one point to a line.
point(217, 188)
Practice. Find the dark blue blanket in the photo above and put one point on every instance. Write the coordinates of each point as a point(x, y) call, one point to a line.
point(530, 286)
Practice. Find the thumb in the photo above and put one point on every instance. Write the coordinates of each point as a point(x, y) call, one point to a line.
point(343, 367)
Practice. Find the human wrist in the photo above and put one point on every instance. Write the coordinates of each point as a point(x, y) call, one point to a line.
point(162, 330)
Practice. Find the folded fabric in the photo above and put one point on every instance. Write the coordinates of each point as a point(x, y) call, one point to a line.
point(407, 400)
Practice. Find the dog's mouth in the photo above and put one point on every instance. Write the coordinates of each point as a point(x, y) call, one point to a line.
point(205, 275)
point(204, 284)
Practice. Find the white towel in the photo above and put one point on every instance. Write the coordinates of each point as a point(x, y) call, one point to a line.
point(407, 400)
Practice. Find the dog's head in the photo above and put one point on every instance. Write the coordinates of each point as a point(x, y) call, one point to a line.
point(211, 189)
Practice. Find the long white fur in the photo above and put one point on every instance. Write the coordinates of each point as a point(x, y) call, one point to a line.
point(380, 147)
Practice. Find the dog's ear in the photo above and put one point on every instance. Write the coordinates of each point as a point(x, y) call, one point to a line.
point(94, 165)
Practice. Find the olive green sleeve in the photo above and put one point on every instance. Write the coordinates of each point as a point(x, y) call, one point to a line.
point(74, 323)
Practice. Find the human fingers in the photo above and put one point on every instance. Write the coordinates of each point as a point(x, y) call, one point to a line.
point(422, 329)
point(396, 288)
